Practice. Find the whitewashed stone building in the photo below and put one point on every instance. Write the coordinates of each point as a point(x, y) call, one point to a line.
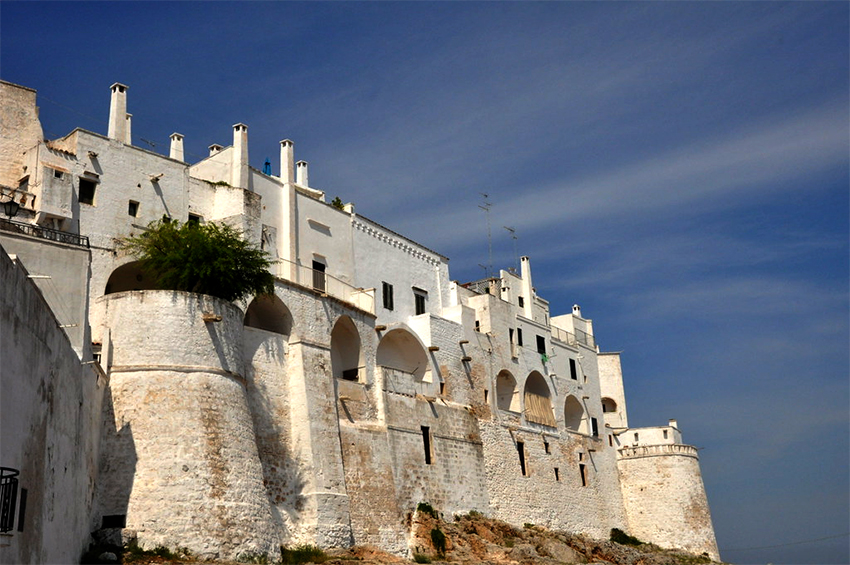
point(370, 381)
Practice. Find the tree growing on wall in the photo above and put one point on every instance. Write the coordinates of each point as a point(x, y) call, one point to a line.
point(206, 258)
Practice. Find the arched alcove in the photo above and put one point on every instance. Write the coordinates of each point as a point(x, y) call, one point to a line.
point(538, 403)
point(268, 312)
point(346, 361)
point(400, 350)
point(574, 416)
point(507, 394)
point(129, 277)
point(608, 405)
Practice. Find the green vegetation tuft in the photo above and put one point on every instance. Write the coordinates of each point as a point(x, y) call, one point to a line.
point(337, 203)
point(621, 537)
point(302, 554)
point(438, 538)
point(204, 258)
point(427, 509)
point(421, 558)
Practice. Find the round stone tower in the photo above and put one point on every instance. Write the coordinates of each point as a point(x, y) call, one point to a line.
point(180, 463)
point(664, 497)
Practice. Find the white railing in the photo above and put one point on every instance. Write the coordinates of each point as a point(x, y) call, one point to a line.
point(364, 299)
point(573, 338)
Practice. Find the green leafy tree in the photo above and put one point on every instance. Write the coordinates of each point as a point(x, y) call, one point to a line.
point(204, 258)
point(337, 203)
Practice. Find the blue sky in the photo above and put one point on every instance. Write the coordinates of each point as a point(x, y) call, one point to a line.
point(680, 170)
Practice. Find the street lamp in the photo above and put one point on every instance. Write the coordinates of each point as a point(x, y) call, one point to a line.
point(10, 208)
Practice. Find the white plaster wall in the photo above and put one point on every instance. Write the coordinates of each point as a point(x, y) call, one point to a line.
point(49, 425)
point(180, 456)
point(324, 231)
point(611, 386)
point(664, 498)
point(652, 436)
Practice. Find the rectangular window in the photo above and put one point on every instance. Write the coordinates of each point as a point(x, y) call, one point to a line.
point(58, 174)
point(133, 208)
point(387, 293)
point(194, 219)
point(594, 426)
point(520, 448)
point(519, 336)
point(546, 446)
point(573, 372)
point(419, 296)
point(611, 441)
point(582, 469)
point(665, 434)
point(426, 442)
point(478, 325)
point(486, 395)
point(318, 276)
point(87, 190)
point(521, 301)
point(636, 436)
point(541, 344)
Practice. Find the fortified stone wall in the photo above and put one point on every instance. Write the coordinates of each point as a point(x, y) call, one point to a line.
point(49, 414)
point(180, 458)
point(20, 130)
point(664, 497)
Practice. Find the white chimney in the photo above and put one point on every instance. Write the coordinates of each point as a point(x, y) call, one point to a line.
point(527, 288)
point(576, 310)
point(287, 161)
point(118, 120)
point(673, 424)
point(128, 139)
point(176, 151)
point(239, 164)
point(302, 178)
point(215, 148)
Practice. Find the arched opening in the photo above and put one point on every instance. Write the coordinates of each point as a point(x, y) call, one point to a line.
point(401, 352)
point(574, 416)
point(129, 277)
point(268, 312)
point(345, 351)
point(538, 403)
point(507, 394)
point(608, 405)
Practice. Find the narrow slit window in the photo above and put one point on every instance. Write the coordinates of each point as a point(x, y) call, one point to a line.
point(519, 337)
point(133, 208)
point(387, 293)
point(594, 426)
point(582, 469)
point(665, 434)
point(419, 297)
point(426, 443)
point(520, 448)
point(541, 345)
point(557, 475)
point(637, 438)
point(573, 372)
point(610, 441)
point(486, 394)
point(546, 446)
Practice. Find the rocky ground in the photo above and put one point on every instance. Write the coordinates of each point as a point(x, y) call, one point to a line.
point(474, 540)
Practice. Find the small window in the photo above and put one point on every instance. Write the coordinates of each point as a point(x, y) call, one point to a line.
point(557, 475)
point(546, 446)
point(426, 442)
point(57, 174)
point(611, 441)
point(387, 294)
point(521, 301)
point(194, 219)
point(87, 190)
point(582, 469)
point(318, 276)
point(580, 456)
point(541, 344)
point(665, 434)
point(114, 521)
point(520, 448)
point(133, 208)
point(594, 426)
point(419, 297)
point(443, 389)
point(573, 372)
point(486, 395)
point(636, 437)
point(519, 336)
point(478, 325)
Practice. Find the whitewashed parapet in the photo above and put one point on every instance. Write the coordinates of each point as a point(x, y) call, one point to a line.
point(397, 242)
point(657, 450)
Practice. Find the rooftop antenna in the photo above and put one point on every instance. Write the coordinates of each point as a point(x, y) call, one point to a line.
point(516, 257)
point(486, 207)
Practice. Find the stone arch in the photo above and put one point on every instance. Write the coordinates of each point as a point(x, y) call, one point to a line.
point(507, 392)
point(608, 405)
point(268, 312)
point(129, 276)
point(346, 355)
point(538, 402)
point(574, 416)
point(402, 351)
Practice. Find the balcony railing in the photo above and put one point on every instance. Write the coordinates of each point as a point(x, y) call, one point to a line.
point(42, 232)
point(573, 338)
point(364, 299)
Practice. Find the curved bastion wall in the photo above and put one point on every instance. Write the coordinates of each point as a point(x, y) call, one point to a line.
point(180, 458)
point(664, 497)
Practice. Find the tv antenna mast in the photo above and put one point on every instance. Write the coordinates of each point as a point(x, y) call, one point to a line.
point(486, 207)
point(512, 231)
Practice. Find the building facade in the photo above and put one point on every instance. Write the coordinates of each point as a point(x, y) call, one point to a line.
point(368, 383)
